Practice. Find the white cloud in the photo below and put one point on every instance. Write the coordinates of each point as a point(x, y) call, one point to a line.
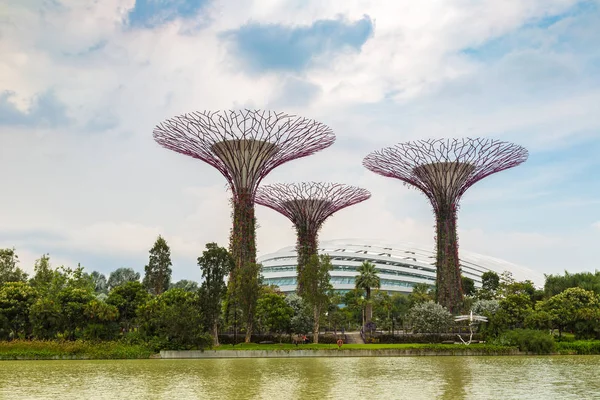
point(101, 186)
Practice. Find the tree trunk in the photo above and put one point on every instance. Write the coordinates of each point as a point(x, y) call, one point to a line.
point(448, 281)
point(248, 331)
point(316, 312)
point(369, 308)
point(306, 247)
point(215, 334)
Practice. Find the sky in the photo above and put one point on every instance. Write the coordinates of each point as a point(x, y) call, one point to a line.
point(83, 83)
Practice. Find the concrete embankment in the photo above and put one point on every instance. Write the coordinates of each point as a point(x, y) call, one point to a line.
point(171, 354)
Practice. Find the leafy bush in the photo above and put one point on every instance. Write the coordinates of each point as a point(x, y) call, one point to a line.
point(429, 317)
point(527, 340)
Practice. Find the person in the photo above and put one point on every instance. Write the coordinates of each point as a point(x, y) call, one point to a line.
point(304, 339)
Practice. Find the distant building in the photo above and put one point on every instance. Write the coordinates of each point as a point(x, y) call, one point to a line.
point(399, 266)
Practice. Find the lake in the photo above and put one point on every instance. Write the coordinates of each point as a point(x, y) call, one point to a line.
point(524, 377)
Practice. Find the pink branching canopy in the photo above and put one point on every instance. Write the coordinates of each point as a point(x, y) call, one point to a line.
point(444, 169)
point(309, 203)
point(244, 145)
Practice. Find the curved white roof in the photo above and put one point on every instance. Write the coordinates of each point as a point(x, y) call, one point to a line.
point(399, 266)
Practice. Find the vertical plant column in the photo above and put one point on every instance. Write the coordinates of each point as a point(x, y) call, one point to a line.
point(243, 250)
point(243, 232)
point(306, 247)
point(449, 287)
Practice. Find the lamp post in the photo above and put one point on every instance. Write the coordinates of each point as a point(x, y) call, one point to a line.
point(362, 305)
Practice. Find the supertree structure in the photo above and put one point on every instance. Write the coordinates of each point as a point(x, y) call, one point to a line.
point(244, 146)
point(443, 169)
point(308, 205)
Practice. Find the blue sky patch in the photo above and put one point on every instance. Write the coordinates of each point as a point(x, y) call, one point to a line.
point(152, 13)
point(46, 111)
point(280, 47)
point(529, 35)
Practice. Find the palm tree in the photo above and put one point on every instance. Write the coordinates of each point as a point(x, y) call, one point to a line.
point(366, 279)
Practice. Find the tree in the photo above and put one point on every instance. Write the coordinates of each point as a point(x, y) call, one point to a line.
point(430, 317)
point(101, 319)
point(367, 279)
point(172, 320)
point(60, 307)
point(246, 291)
point(9, 270)
point(43, 273)
point(315, 287)
point(574, 309)
point(421, 293)
point(556, 284)
point(272, 311)
point(158, 271)
point(301, 321)
point(468, 286)
point(490, 281)
point(128, 297)
point(187, 285)
point(122, 275)
point(354, 301)
point(16, 299)
point(215, 263)
point(512, 313)
point(99, 280)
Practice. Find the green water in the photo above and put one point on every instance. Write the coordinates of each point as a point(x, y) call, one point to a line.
point(563, 377)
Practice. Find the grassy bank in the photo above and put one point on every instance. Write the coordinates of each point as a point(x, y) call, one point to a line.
point(45, 350)
point(480, 348)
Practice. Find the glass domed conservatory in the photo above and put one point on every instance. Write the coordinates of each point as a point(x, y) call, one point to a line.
point(399, 267)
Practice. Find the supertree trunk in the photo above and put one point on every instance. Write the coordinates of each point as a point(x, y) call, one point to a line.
point(243, 250)
point(306, 247)
point(243, 239)
point(449, 288)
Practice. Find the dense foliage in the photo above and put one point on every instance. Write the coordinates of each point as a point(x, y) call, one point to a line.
point(70, 305)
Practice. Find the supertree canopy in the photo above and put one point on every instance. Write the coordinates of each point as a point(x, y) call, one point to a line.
point(308, 205)
point(444, 169)
point(244, 145)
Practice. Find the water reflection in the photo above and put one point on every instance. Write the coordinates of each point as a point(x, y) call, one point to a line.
point(324, 378)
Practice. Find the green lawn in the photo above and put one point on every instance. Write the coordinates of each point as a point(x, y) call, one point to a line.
point(405, 346)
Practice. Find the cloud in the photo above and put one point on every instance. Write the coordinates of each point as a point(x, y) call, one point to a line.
point(276, 47)
point(83, 88)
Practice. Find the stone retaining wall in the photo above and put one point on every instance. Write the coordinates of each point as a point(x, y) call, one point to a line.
point(171, 354)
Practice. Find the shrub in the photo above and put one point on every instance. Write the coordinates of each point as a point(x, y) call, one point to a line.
point(528, 340)
point(429, 317)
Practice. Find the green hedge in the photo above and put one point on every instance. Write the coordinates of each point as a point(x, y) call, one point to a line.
point(422, 338)
point(39, 349)
point(579, 347)
point(527, 340)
